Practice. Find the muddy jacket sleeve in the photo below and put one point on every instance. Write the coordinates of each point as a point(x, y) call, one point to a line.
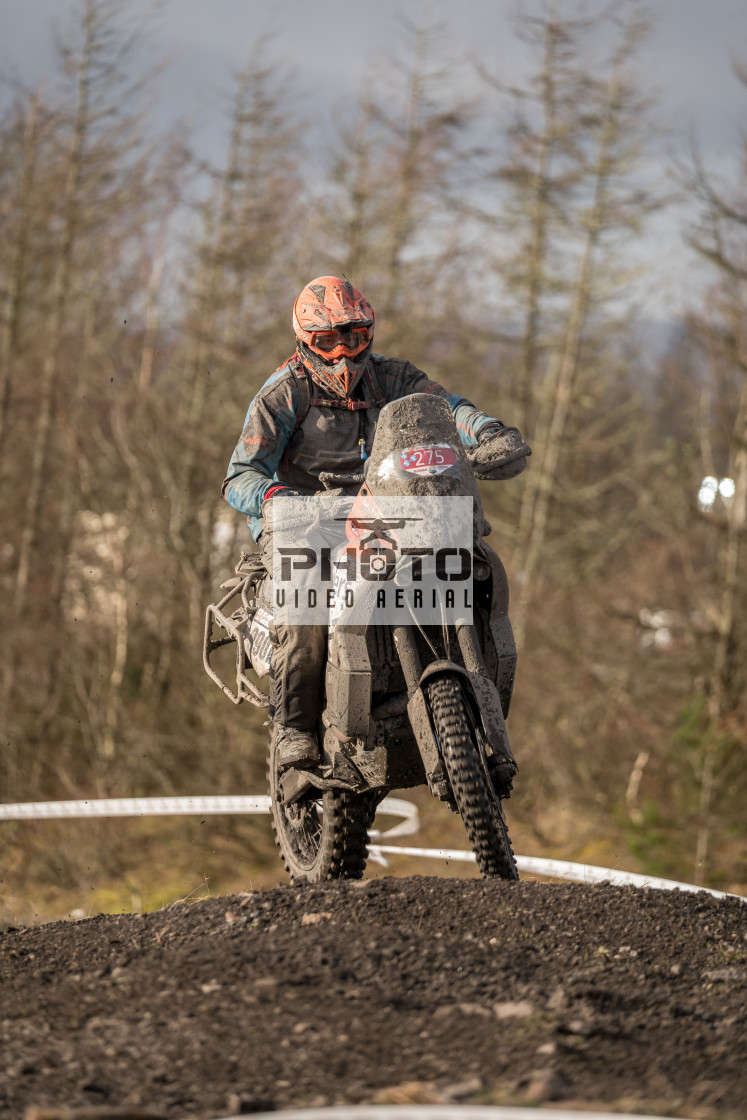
point(400, 378)
point(268, 428)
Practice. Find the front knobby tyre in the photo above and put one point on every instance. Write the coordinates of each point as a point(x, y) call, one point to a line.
point(322, 835)
point(478, 804)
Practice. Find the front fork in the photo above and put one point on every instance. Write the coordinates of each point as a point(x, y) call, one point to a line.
point(409, 658)
point(480, 693)
point(412, 668)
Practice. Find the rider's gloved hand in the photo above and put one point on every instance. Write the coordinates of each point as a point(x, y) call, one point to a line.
point(500, 452)
point(275, 512)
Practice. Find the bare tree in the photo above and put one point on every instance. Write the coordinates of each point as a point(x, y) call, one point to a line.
point(721, 240)
point(388, 222)
point(23, 149)
point(611, 125)
point(70, 280)
point(532, 189)
point(94, 68)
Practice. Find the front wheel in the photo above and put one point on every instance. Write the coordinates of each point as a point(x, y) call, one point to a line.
point(479, 805)
point(321, 835)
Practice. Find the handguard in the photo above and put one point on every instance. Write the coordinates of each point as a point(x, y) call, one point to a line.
point(501, 454)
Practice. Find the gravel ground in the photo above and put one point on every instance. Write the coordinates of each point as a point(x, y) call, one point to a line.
point(389, 990)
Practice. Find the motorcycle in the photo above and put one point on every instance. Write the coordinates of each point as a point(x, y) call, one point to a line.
point(408, 703)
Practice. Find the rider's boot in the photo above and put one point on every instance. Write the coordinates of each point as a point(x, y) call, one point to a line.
point(296, 747)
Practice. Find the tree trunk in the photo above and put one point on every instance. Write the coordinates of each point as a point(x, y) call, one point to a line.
point(59, 303)
point(563, 369)
point(17, 272)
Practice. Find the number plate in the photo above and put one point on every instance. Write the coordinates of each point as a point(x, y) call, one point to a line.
point(435, 458)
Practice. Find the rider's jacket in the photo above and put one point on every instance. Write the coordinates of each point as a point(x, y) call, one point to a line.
point(295, 429)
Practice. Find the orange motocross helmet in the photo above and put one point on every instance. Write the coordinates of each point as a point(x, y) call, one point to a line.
point(334, 327)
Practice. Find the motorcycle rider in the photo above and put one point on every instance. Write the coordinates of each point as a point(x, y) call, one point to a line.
point(316, 413)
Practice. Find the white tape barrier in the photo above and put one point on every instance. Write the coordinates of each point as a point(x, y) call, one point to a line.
point(441, 1112)
point(558, 869)
point(187, 806)
point(132, 807)
point(390, 806)
point(397, 807)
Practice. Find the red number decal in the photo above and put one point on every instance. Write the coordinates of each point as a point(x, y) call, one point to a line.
point(428, 460)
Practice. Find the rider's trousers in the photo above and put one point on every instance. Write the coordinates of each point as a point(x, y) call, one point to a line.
point(297, 668)
point(297, 675)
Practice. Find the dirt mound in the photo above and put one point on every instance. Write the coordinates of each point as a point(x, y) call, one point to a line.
point(391, 989)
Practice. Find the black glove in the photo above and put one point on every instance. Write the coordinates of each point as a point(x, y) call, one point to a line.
point(500, 452)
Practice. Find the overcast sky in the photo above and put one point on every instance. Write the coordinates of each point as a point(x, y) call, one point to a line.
point(330, 45)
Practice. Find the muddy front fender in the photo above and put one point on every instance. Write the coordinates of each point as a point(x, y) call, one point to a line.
point(484, 700)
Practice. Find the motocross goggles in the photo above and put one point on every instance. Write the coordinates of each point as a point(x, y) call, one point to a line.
point(346, 341)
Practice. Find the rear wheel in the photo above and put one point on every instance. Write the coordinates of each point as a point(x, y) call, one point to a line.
point(321, 835)
point(479, 805)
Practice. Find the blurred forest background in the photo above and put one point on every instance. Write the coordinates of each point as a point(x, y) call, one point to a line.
point(145, 297)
